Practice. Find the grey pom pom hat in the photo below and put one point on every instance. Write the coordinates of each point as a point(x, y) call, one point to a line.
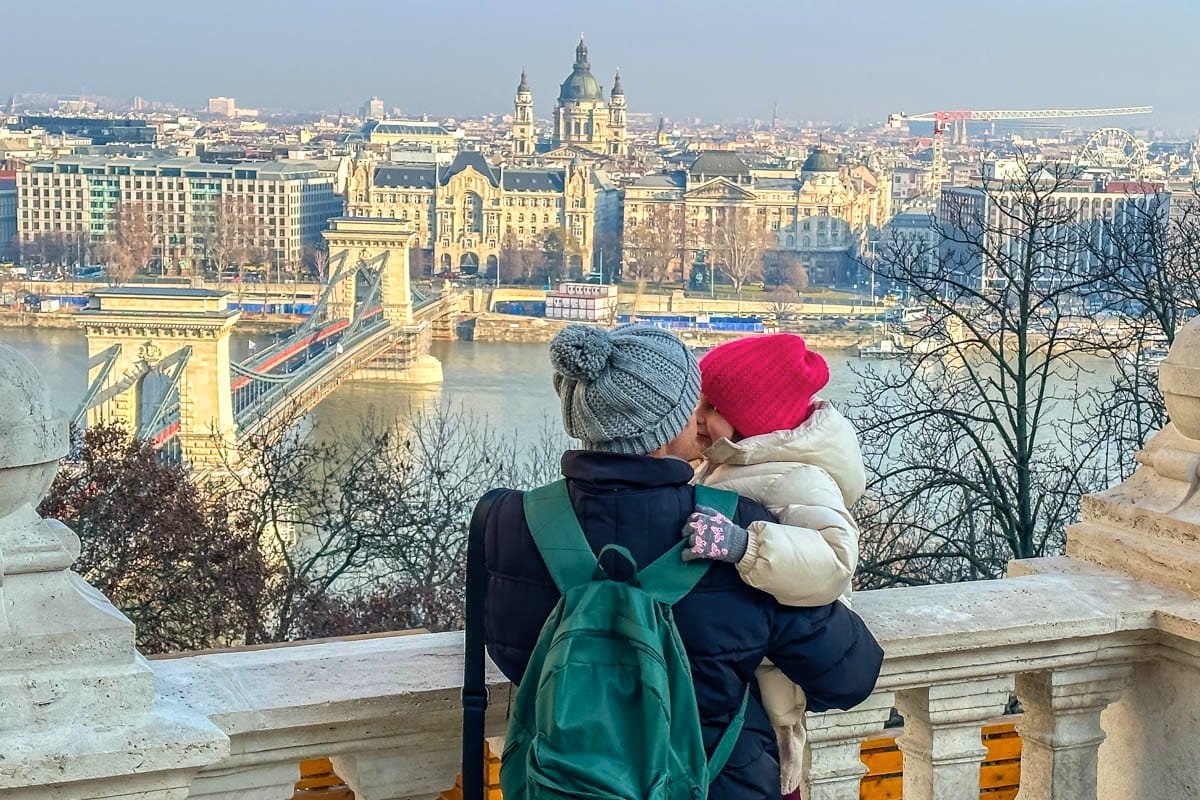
point(629, 390)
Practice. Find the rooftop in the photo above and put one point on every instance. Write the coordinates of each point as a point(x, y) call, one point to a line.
point(719, 163)
point(406, 127)
point(156, 291)
point(188, 167)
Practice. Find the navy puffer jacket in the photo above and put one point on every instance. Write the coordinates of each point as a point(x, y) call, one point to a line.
point(726, 626)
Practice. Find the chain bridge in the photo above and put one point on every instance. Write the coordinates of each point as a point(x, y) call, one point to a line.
point(159, 358)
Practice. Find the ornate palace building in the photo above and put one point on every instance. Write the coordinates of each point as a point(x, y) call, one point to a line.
point(823, 212)
point(464, 213)
point(584, 123)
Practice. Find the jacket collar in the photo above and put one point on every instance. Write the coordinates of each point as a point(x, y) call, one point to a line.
point(826, 440)
point(615, 471)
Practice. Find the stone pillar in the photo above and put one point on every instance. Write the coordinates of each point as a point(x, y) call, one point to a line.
point(272, 781)
point(207, 426)
point(833, 763)
point(363, 239)
point(943, 742)
point(345, 288)
point(1061, 731)
point(151, 325)
point(1148, 528)
point(78, 717)
point(119, 392)
point(408, 773)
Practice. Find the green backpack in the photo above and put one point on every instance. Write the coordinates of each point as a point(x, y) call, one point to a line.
point(607, 708)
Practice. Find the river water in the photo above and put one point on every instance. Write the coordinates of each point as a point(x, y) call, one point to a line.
point(506, 385)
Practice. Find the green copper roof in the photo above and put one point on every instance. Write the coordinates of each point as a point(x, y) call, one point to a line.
point(820, 160)
point(580, 85)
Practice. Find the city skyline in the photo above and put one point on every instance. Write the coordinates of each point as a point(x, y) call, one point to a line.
point(852, 63)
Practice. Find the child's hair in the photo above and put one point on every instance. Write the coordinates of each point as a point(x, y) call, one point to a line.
point(763, 383)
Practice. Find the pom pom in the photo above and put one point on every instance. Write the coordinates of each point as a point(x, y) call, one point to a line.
point(581, 352)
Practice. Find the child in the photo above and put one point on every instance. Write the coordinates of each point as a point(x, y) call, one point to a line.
point(767, 437)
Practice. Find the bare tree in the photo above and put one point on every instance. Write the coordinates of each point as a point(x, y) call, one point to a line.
point(607, 254)
point(420, 260)
point(739, 242)
point(315, 261)
point(520, 262)
point(785, 270)
point(977, 438)
point(1151, 249)
point(308, 532)
point(154, 544)
point(232, 234)
point(369, 516)
point(130, 242)
point(655, 247)
point(561, 249)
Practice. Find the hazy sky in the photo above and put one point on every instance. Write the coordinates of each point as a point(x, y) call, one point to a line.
point(852, 60)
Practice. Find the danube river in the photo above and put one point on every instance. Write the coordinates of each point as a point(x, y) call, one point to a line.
point(508, 384)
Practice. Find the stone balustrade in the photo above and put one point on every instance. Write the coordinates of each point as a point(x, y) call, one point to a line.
point(386, 710)
point(1102, 648)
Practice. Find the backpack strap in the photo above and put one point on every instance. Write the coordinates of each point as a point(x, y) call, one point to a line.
point(558, 536)
point(720, 754)
point(474, 690)
point(669, 578)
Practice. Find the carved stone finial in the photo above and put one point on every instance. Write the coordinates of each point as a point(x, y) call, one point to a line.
point(1179, 379)
point(1148, 526)
point(77, 703)
point(31, 440)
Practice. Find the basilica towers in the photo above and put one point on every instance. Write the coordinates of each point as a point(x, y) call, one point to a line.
point(524, 137)
point(582, 117)
point(618, 143)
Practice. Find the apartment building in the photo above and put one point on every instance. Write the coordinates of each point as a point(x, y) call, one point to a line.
point(283, 205)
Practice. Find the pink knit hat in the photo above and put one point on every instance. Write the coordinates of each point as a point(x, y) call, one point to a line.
point(763, 383)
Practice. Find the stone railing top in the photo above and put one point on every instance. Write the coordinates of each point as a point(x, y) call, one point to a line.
point(931, 634)
point(320, 683)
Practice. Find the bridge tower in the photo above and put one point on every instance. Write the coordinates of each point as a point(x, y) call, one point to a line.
point(358, 240)
point(159, 365)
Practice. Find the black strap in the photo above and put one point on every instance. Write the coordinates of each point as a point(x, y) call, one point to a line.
point(474, 689)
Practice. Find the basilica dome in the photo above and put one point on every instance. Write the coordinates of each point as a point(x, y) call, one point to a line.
point(580, 85)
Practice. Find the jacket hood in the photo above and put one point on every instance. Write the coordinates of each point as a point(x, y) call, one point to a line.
point(826, 440)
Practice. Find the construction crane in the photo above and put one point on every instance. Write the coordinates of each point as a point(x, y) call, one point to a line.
point(945, 119)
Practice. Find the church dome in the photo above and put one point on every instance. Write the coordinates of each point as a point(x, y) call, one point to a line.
point(580, 84)
point(820, 160)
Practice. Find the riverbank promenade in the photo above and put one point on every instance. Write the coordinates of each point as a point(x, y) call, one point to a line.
point(1101, 646)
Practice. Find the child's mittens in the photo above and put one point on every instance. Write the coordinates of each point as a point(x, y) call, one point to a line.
point(712, 535)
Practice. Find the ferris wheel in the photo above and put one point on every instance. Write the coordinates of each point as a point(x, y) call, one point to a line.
point(1112, 148)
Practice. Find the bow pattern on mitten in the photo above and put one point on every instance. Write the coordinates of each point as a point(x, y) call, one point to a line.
point(712, 535)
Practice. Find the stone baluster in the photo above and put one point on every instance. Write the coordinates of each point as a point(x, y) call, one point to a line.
point(78, 712)
point(833, 757)
point(416, 772)
point(943, 742)
point(418, 763)
point(1061, 730)
point(270, 781)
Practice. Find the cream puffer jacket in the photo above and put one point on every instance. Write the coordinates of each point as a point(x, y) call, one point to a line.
point(808, 478)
